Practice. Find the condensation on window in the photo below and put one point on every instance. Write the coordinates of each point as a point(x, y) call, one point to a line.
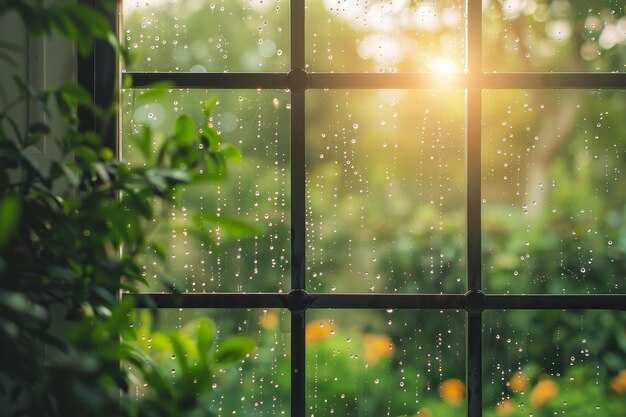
point(385, 36)
point(385, 181)
point(554, 363)
point(255, 192)
point(258, 384)
point(554, 204)
point(385, 363)
point(206, 35)
point(561, 35)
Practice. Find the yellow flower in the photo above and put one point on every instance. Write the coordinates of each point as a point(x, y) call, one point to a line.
point(318, 330)
point(618, 383)
point(269, 320)
point(452, 391)
point(543, 392)
point(519, 382)
point(376, 346)
point(506, 407)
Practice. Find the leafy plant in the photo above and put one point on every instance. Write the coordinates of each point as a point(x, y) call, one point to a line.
point(70, 238)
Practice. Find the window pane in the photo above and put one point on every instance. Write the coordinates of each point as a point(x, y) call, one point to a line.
point(567, 36)
point(546, 363)
point(385, 36)
point(553, 194)
point(256, 191)
point(207, 35)
point(383, 363)
point(257, 386)
point(385, 191)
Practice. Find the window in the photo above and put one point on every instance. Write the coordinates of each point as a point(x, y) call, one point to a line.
point(405, 161)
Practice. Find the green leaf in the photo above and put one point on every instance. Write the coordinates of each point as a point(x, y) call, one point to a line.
point(175, 176)
point(157, 250)
point(184, 131)
point(85, 153)
point(212, 138)
point(77, 93)
point(234, 349)
point(36, 19)
point(142, 205)
point(67, 108)
point(71, 175)
point(36, 132)
point(10, 210)
point(144, 143)
point(231, 152)
point(152, 92)
point(102, 172)
point(207, 108)
point(205, 334)
point(235, 228)
point(64, 25)
point(24, 87)
point(179, 351)
point(18, 302)
point(88, 22)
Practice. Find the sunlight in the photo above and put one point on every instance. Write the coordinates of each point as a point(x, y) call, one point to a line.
point(443, 65)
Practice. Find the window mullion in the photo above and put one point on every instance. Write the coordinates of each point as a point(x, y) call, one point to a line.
point(298, 193)
point(473, 208)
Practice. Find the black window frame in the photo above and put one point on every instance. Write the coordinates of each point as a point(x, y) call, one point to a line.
point(99, 73)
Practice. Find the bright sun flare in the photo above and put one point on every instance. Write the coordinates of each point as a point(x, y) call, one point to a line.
point(443, 65)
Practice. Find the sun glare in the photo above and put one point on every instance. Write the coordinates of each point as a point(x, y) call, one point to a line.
point(443, 65)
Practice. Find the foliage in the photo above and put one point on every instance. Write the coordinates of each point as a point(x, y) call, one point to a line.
point(70, 239)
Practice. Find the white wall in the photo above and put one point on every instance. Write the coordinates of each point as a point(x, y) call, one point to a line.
point(44, 63)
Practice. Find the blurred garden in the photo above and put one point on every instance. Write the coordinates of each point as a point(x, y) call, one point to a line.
point(385, 195)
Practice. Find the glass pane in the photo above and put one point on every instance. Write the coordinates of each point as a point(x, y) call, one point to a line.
point(385, 36)
point(385, 191)
point(256, 191)
point(384, 363)
point(547, 363)
point(206, 35)
point(562, 35)
point(258, 385)
point(554, 218)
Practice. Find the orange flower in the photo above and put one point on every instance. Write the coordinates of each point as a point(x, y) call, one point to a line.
point(424, 412)
point(318, 330)
point(269, 320)
point(543, 392)
point(618, 383)
point(376, 346)
point(452, 391)
point(519, 382)
point(506, 407)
